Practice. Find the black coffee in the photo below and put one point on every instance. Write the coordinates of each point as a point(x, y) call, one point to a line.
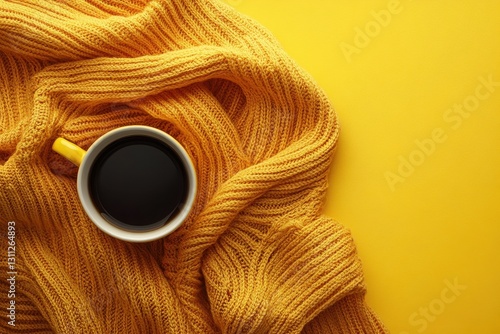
point(137, 183)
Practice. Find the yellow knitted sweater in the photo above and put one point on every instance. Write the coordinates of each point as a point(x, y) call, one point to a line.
point(255, 256)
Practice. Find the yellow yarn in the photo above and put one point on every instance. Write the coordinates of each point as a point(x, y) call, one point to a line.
point(255, 256)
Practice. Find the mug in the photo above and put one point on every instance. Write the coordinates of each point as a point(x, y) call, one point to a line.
point(136, 183)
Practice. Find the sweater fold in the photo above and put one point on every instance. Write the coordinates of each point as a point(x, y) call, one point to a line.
point(255, 255)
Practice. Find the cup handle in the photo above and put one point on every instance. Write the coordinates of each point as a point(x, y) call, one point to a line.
point(70, 151)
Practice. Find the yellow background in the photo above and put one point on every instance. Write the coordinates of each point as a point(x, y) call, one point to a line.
point(439, 225)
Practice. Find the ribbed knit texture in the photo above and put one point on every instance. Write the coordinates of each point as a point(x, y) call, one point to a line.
point(255, 256)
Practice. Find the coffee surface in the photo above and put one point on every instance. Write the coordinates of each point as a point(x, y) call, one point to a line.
point(137, 183)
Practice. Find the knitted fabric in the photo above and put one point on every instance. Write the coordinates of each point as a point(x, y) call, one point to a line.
point(256, 255)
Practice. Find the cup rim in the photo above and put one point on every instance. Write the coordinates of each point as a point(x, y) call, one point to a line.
point(84, 191)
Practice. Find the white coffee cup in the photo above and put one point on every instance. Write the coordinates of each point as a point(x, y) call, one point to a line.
point(86, 159)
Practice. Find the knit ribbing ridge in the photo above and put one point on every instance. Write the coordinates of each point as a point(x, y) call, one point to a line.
point(255, 255)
